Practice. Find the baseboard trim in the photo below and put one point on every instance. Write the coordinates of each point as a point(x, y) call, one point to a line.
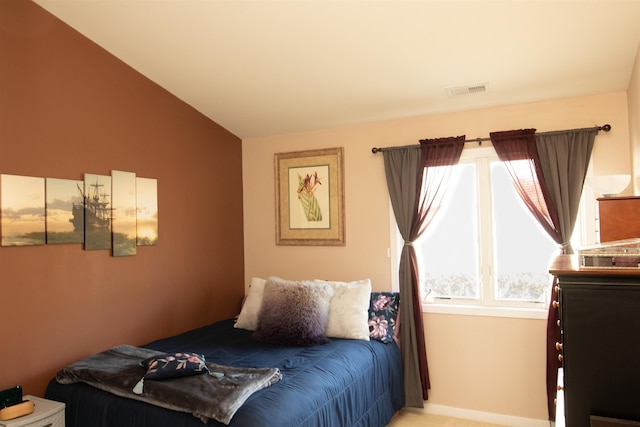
point(485, 417)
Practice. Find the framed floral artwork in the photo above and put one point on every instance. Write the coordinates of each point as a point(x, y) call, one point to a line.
point(310, 198)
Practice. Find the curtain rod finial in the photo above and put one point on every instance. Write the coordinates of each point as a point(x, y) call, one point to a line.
point(374, 150)
point(606, 127)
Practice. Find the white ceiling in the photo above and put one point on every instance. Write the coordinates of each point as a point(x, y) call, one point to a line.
point(269, 67)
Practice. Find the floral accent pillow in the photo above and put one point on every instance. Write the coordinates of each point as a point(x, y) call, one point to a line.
point(383, 316)
point(174, 365)
point(171, 365)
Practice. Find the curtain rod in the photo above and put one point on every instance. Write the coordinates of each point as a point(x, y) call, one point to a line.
point(605, 128)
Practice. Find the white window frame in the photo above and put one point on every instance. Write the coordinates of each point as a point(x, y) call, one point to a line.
point(584, 234)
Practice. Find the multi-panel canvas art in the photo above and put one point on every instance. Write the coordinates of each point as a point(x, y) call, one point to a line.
point(118, 212)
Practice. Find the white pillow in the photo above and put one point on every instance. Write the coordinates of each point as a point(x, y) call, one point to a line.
point(248, 317)
point(349, 310)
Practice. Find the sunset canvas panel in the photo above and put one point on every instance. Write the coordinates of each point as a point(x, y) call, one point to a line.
point(147, 207)
point(123, 215)
point(97, 212)
point(65, 213)
point(22, 206)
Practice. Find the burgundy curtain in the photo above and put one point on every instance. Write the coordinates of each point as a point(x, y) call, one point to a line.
point(518, 150)
point(528, 178)
point(438, 156)
point(415, 188)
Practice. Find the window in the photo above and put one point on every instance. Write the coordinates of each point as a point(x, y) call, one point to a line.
point(484, 248)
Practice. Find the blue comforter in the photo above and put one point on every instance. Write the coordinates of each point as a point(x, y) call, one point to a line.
point(343, 383)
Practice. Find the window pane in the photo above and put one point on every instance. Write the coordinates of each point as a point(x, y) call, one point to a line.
point(448, 249)
point(522, 248)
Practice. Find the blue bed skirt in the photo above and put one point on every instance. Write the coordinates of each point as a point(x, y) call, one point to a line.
point(344, 383)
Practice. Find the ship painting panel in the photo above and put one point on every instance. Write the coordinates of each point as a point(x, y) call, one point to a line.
point(61, 198)
point(123, 214)
point(96, 210)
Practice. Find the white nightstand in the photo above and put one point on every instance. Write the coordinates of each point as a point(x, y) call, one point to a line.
point(46, 413)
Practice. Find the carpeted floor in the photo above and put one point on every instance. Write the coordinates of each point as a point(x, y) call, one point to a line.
point(411, 418)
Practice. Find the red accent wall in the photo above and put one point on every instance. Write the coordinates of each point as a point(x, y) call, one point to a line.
point(68, 107)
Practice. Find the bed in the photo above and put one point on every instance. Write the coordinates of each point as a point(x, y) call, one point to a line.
point(342, 382)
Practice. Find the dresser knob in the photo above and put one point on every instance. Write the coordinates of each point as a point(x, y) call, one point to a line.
point(558, 323)
point(555, 304)
point(559, 388)
point(560, 357)
point(558, 346)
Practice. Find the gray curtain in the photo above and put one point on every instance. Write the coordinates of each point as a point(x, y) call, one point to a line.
point(416, 180)
point(564, 158)
point(403, 172)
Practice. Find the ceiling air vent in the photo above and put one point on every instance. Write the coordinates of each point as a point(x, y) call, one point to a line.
point(467, 90)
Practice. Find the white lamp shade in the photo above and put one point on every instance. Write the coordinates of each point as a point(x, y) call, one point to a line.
point(609, 185)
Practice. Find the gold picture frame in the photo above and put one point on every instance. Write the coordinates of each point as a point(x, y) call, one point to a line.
point(310, 198)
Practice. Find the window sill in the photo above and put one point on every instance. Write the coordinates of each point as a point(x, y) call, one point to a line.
point(469, 310)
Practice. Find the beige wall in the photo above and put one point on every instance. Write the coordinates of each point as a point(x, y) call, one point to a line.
point(486, 364)
point(634, 121)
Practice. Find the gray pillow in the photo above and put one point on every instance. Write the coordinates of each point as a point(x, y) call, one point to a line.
point(293, 313)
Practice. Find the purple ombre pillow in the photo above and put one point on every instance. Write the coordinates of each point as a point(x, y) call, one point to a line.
point(293, 313)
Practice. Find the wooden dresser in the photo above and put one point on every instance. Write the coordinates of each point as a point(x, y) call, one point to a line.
point(619, 218)
point(600, 348)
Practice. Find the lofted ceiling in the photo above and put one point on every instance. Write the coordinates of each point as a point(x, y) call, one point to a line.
point(269, 67)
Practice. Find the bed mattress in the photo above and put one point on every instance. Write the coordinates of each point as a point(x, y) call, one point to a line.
point(343, 383)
